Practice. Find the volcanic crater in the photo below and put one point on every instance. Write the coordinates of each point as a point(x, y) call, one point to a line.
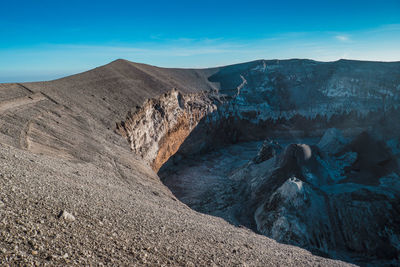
point(279, 148)
point(298, 151)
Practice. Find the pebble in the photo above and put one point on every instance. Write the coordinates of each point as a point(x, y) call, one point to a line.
point(66, 216)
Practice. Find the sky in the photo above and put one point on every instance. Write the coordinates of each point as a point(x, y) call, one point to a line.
point(48, 39)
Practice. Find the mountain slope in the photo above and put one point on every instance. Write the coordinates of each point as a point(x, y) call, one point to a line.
point(60, 155)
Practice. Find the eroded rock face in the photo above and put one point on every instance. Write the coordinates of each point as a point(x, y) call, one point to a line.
point(296, 214)
point(298, 98)
point(156, 130)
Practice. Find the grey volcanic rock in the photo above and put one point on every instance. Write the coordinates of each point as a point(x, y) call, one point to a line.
point(66, 216)
point(295, 214)
point(267, 151)
point(332, 141)
point(306, 198)
point(374, 160)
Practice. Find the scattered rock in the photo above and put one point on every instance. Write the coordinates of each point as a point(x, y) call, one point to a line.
point(49, 257)
point(66, 216)
point(332, 141)
point(267, 151)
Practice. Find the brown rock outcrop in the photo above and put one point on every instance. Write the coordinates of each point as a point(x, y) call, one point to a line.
point(156, 130)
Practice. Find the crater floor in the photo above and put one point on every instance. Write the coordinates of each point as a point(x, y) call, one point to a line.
point(200, 181)
point(205, 182)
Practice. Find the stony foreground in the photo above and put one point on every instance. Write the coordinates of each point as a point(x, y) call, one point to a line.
point(120, 218)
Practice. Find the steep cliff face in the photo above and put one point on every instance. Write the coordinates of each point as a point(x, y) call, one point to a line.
point(304, 97)
point(156, 130)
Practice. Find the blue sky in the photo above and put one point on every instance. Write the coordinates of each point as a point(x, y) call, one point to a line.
point(43, 39)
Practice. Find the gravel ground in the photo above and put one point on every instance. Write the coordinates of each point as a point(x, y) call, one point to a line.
point(72, 193)
point(126, 218)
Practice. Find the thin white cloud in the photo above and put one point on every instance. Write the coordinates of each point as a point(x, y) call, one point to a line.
point(342, 38)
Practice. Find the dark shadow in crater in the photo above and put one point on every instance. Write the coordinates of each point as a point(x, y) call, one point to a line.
point(200, 173)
